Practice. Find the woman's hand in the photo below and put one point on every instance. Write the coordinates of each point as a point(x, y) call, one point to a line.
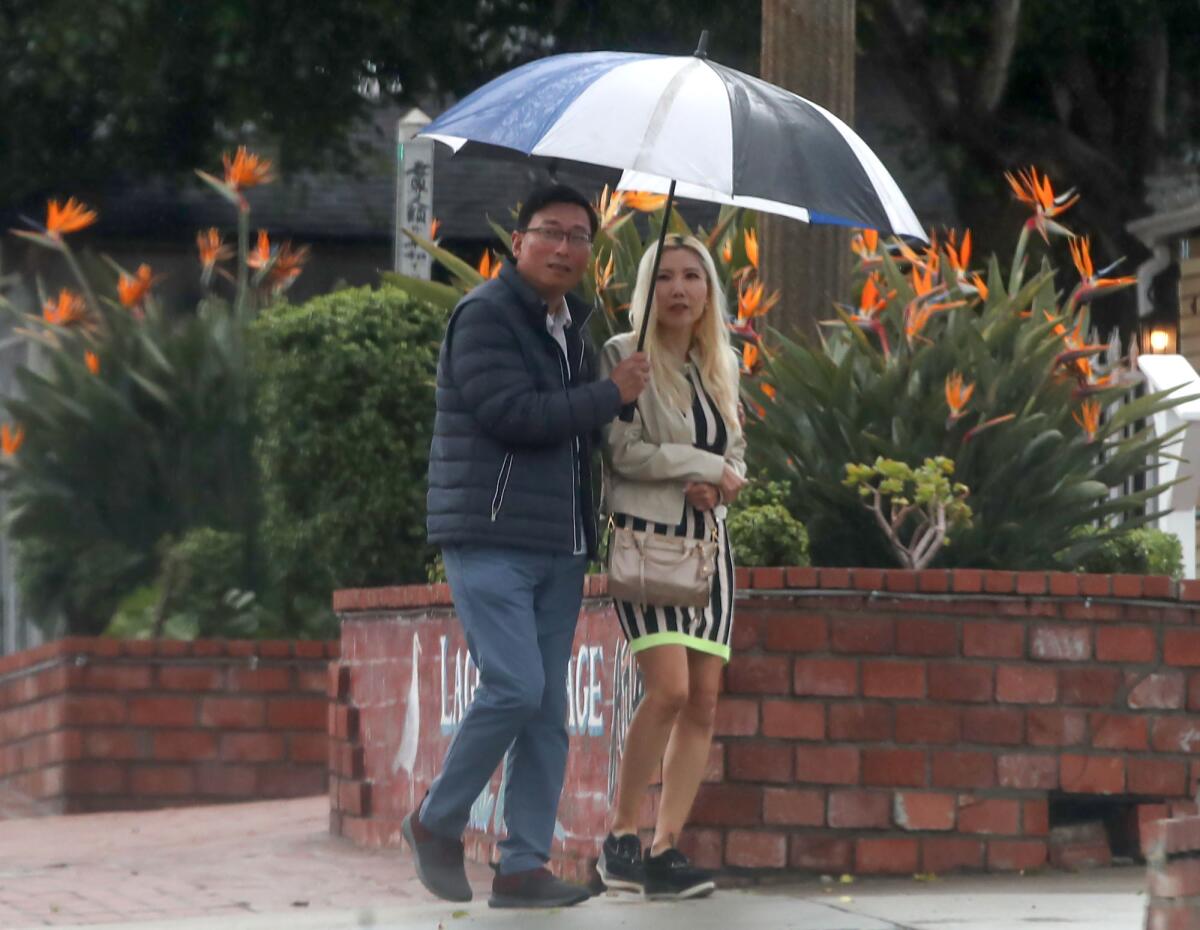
point(701, 495)
point(731, 485)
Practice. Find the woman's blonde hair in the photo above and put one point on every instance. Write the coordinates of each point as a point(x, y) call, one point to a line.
point(709, 336)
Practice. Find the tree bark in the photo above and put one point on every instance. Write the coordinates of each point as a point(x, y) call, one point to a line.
point(808, 48)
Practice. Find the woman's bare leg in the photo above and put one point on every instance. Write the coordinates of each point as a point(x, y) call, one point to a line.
point(687, 748)
point(665, 674)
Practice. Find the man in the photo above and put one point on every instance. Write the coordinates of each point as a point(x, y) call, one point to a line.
point(510, 503)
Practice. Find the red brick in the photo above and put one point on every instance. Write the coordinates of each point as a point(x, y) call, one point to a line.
point(1092, 611)
point(995, 582)
point(184, 745)
point(829, 765)
point(1032, 583)
point(894, 767)
point(997, 726)
point(1156, 777)
point(1026, 684)
point(1159, 586)
point(1035, 817)
point(893, 679)
point(1054, 727)
point(253, 747)
point(94, 710)
point(902, 581)
point(916, 637)
point(1095, 585)
point(112, 744)
point(1181, 647)
point(791, 719)
point(868, 579)
point(728, 805)
point(190, 677)
point(1179, 879)
point(948, 854)
point(1125, 644)
point(1127, 585)
point(1091, 687)
point(274, 648)
point(296, 713)
point(339, 682)
point(835, 578)
point(759, 761)
point(933, 581)
point(162, 711)
point(160, 780)
point(959, 682)
point(1061, 643)
point(966, 581)
point(266, 678)
point(747, 632)
point(802, 578)
point(343, 722)
point(1193, 696)
point(818, 853)
point(705, 848)
point(849, 808)
point(92, 780)
point(736, 717)
point(963, 769)
point(800, 807)
point(927, 723)
point(1120, 731)
point(243, 713)
point(758, 675)
point(1155, 690)
point(885, 856)
point(767, 579)
point(1092, 774)
point(111, 677)
point(860, 722)
point(924, 810)
point(796, 632)
point(1016, 855)
point(1064, 584)
point(989, 815)
point(827, 677)
point(354, 797)
point(1175, 734)
point(863, 635)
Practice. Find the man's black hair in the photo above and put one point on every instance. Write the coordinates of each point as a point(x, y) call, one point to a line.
point(548, 194)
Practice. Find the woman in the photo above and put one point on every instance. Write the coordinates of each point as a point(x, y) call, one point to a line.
point(672, 471)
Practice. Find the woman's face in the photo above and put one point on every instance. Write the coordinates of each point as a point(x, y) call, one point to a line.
point(682, 289)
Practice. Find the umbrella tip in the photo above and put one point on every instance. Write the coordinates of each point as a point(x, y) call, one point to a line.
point(702, 47)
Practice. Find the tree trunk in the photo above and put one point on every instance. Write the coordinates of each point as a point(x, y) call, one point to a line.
point(808, 48)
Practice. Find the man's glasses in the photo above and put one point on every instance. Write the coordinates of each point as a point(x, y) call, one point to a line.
point(555, 236)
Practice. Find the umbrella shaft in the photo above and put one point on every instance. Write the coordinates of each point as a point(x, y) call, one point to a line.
point(662, 237)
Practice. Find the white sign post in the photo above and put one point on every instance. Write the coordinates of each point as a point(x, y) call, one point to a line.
point(1178, 502)
point(414, 205)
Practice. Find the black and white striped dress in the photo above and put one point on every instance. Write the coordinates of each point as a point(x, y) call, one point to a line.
point(711, 628)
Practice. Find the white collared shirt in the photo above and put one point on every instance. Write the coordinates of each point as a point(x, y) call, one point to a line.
point(556, 325)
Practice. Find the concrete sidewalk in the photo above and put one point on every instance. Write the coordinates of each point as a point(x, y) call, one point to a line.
point(273, 865)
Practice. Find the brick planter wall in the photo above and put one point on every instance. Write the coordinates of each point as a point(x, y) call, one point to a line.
point(102, 724)
point(872, 721)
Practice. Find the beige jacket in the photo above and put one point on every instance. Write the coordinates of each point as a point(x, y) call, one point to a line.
point(648, 463)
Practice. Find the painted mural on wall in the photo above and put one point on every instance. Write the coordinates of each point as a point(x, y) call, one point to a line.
point(432, 693)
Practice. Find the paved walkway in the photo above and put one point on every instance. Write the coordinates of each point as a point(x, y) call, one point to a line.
point(273, 865)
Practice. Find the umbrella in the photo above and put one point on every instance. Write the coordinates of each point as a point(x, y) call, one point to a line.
point(687, 126)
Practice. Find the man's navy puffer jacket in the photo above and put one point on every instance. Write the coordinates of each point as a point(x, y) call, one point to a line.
point(510, 463)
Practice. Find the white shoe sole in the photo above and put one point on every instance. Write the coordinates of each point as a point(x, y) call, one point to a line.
point(696, 891)
point(616, 884)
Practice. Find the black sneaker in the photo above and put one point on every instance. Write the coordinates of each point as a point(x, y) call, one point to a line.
point(535, 888)
point(620, 864)
point(669, 875)
point(439, 861)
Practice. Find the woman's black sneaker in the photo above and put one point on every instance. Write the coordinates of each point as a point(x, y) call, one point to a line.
point(669, 875)
point(620, 865)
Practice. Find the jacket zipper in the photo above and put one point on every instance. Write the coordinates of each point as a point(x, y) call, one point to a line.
point(562, 369)
point(501, 485)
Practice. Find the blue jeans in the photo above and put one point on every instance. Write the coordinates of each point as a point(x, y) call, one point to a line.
point(518, 609)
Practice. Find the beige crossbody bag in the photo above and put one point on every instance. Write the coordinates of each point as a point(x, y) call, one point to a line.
point(666, 571)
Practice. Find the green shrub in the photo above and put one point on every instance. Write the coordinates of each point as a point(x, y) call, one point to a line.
point(345, 406)
point(1144, 551)
point(761, 529)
